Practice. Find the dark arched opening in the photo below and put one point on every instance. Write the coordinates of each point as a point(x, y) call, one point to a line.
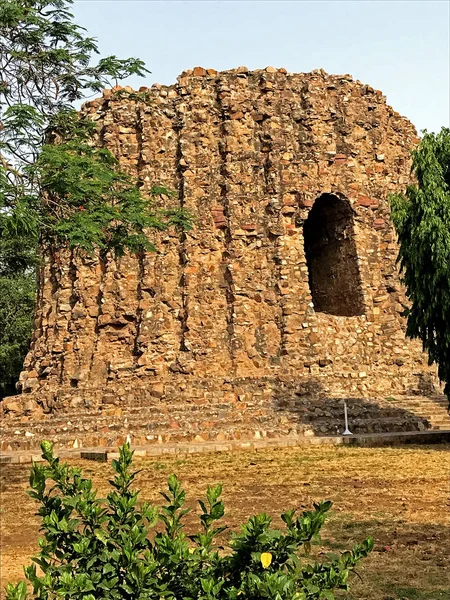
point(331, 257)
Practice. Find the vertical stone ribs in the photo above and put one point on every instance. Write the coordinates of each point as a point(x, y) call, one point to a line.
point(224, 312)
point(227, 254)
point(274, 198)
point(182, 251)
point(103, 267)
point(278, 144)
point(70, 371)
point(140, 257)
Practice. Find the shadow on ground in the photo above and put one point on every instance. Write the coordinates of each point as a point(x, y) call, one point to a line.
point(409, 561)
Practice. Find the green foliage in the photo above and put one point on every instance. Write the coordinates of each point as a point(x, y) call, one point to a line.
point(56, 187)
point(100, 549)
point(67, 192)
point(422, 221)
point(46, 65)
point(16, 316)
point(89, 204)
point(17, 290)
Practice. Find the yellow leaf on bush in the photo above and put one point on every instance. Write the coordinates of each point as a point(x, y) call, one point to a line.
point(266, 559)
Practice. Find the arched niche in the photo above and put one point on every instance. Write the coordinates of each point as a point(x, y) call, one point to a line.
point(332, 259)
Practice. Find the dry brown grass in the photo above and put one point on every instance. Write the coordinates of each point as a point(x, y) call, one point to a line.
point(400, 496)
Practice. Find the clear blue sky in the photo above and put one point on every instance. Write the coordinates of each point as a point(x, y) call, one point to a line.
point(399, 47)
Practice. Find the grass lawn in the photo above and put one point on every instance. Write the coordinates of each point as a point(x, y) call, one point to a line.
point(400, 496)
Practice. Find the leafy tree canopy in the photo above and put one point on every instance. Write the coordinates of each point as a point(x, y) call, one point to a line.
point(70, 192)
point(422, 220)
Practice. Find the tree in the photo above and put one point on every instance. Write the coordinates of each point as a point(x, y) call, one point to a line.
point(101, 549)
point(17, 290)
point(69, 192)
point(422, 221)
point(16, 316)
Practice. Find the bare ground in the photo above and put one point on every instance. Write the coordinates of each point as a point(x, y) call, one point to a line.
point(400, 496)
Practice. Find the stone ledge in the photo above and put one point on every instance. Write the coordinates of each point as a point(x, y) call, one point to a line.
point(368, 439)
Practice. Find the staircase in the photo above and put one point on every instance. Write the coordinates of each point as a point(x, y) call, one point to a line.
point(172, 422)
point(433, 409)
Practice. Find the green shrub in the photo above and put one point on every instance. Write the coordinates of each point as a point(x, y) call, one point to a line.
point(96, 548)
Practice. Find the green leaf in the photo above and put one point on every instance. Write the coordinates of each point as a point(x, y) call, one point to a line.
point(422, 219)
point(101, 535)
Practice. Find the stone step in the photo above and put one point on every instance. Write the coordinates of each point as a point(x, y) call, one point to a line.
point(182, 410)
point(421, 406)
point(163, 419)
point(406, 403)
point(417, 405)
point(182, 437)
point(431, 413)
point(157, 418)
point(164, 427)
point(213, 421)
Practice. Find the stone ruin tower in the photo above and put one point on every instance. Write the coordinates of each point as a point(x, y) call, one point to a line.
point(283, 299)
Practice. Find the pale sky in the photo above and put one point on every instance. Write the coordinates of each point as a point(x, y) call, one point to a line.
point(399, 47)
